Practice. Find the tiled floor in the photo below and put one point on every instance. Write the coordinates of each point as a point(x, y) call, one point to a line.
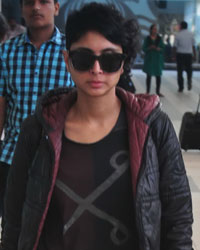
point(175, 104)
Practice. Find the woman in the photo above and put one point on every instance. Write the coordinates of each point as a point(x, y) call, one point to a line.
point(153, 48)
point(98, 167)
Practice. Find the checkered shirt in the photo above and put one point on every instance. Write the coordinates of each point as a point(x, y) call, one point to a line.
point(25, 74)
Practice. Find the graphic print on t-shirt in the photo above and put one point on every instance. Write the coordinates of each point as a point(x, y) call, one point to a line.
point(87, 203)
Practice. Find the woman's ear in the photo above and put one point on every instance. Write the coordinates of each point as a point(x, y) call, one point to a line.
point(66, 58)
point(122, 69)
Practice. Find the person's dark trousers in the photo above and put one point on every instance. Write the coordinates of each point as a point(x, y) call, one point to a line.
point(184, 62)
point(148, 84)
point(4, 169)
point(188, 69)
point(158, 82)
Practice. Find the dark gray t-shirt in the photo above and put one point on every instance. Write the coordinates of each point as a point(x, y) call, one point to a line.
point(92, 206)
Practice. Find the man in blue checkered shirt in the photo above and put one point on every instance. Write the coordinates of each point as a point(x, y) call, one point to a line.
point(30, 64)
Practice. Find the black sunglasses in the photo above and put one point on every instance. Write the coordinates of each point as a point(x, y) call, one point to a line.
point(83, 60)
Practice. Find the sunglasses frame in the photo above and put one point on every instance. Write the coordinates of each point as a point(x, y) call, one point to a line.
point(99, 58)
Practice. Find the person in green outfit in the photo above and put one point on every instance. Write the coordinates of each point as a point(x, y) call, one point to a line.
point(153, 47)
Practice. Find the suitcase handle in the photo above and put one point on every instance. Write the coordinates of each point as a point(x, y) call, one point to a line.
point(198, 105)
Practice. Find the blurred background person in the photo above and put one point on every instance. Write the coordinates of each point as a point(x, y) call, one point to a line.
point(15, 28)
point(184, 51)
point(4, 28)
point(168, 50)
point(153, 48)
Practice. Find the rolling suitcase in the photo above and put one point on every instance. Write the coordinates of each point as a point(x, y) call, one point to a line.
point(189, 135)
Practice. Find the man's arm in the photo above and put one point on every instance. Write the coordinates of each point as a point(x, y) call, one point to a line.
point(2, 113)
point(25, 151)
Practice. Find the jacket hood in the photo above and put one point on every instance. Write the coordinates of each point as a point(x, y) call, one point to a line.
point(141, 105)
point(53, 106)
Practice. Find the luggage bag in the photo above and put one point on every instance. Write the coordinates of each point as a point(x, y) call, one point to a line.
point(189, 135)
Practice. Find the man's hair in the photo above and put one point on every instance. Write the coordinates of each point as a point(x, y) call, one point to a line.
point(184, 25)
point(21, 1)
point(106, 20)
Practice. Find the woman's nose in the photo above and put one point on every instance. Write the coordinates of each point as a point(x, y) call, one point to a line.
point(96, 68)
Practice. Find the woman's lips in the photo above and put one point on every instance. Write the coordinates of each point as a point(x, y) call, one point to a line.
point(96, 84)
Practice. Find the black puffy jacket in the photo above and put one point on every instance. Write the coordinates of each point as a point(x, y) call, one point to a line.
point(162, 197)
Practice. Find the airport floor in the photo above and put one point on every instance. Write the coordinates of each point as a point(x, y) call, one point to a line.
point(175, 104)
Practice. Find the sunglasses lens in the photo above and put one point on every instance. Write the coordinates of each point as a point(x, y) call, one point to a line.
point(111, 62)
point(82, 60)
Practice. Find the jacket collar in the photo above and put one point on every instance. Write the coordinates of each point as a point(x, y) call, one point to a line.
point(56, 38)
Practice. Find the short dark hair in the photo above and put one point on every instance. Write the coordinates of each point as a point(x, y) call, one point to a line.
point(21, 1)
point(184, 25)
point(151, 27)
point(108, 21)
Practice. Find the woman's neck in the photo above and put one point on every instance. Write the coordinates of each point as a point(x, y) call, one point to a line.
point(90, 120)
point(97, 108)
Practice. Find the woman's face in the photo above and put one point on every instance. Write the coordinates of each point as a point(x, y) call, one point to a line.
point(94, 81)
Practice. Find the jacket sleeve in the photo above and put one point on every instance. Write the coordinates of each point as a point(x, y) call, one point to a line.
point(16, 185)
point(175, 195)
